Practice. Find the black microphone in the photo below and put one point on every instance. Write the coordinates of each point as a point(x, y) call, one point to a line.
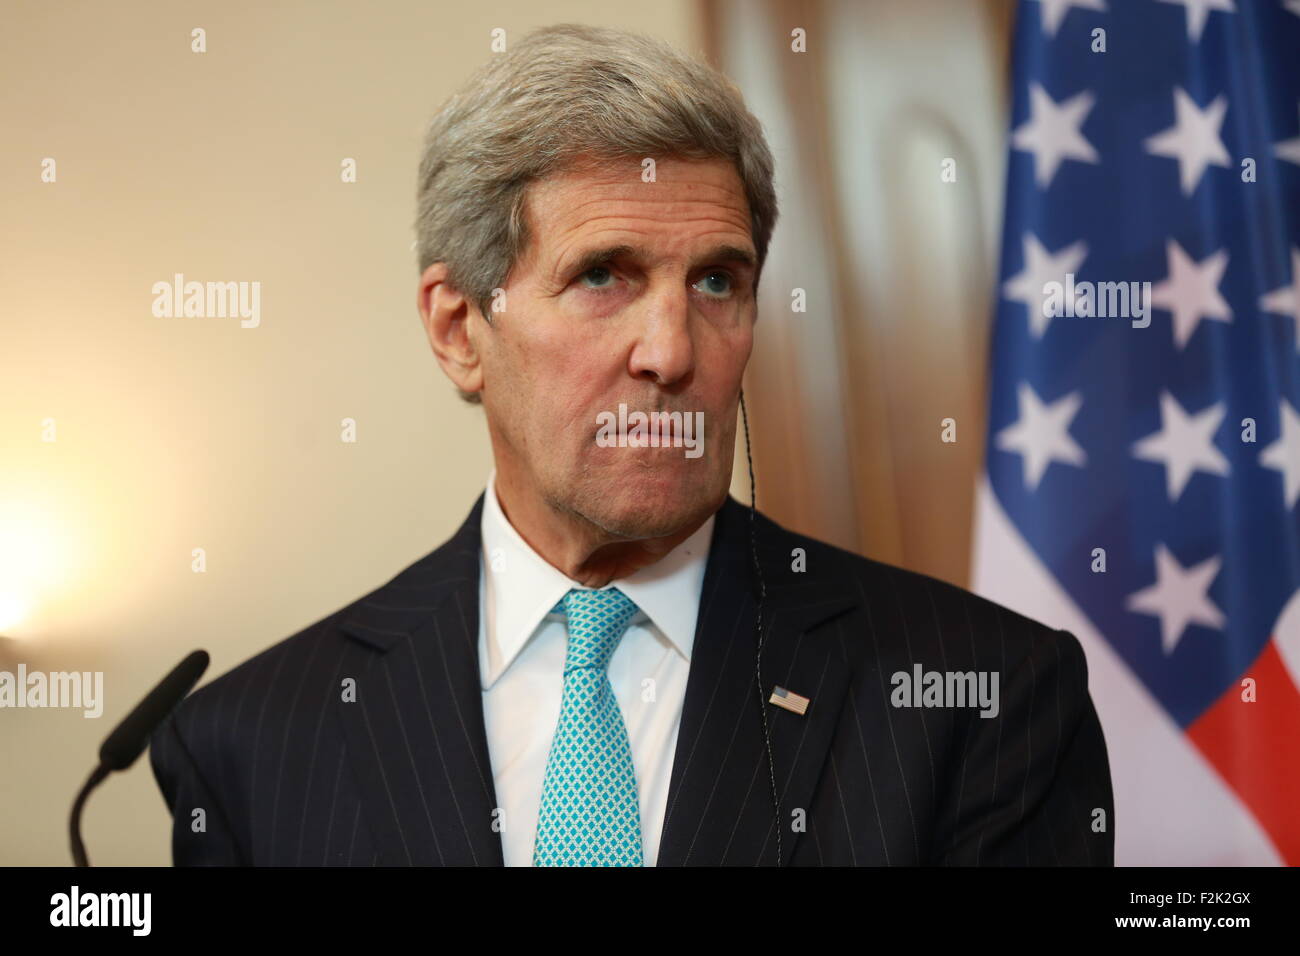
point(128, 740)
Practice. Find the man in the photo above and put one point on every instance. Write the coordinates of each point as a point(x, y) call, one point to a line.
point(612, 661)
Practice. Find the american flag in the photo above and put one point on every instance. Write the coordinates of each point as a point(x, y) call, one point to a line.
point(1143, 473)
point(789, 700)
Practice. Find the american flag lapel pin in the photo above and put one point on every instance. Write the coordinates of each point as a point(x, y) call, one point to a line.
point(795, 703)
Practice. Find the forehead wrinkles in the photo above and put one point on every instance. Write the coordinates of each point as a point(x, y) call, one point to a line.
point(625, 208)
point(556, 209)
point(599, 210)
point(571, 198)
point(610, 228)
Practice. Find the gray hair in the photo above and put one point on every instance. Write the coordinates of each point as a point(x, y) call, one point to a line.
point(562, 92)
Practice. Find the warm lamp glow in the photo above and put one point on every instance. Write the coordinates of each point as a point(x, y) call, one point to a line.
point(30, 560)
point(12, 611)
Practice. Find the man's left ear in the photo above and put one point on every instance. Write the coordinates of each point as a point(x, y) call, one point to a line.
point(446, 314)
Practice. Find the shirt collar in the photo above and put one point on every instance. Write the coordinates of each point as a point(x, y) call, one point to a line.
point(521, 587)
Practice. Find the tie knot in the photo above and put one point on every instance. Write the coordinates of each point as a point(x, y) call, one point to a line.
point(597, 621)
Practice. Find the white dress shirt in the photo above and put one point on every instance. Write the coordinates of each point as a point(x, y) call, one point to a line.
point(521, 656)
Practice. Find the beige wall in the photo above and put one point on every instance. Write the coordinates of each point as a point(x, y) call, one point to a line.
point(182, 433)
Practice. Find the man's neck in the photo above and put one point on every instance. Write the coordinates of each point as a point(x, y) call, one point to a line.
point(579, 549)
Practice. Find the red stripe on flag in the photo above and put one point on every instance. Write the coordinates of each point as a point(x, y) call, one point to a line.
point(1256, 748)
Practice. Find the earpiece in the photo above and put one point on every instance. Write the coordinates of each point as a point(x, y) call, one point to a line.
point(762, 594)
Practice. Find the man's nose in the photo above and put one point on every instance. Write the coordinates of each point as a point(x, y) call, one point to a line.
point(664, 352)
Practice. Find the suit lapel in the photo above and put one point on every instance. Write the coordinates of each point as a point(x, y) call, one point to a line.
point(415, 733)
point(418, 748)
point(720, 808)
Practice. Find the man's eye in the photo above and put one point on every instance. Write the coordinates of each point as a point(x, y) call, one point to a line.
point(716, 283)
point(600, 273)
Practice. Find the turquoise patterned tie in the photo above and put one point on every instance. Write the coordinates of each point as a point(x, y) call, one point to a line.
point(590, 815)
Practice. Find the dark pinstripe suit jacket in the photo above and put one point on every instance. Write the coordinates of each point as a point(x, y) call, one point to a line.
point(289, 773)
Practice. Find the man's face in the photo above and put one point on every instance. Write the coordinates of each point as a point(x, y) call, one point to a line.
point(629, 292)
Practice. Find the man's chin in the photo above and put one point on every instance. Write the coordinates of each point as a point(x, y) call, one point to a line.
point(635, 512)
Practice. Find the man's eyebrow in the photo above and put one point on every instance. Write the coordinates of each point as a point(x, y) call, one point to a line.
point(727, 253)
point(594, 258)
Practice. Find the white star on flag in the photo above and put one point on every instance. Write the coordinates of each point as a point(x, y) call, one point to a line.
point(1286, 300)
point(1054, 11)
point(1289, 149)
point(1198, 11)
point(1052, 132)
point(1179, 597)
point(1284, 454)
point(1185, 443)
point(1193, 140)
point(1040, 268)
point(1041, 434)
point(1191, 292)
point(1293, 6)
